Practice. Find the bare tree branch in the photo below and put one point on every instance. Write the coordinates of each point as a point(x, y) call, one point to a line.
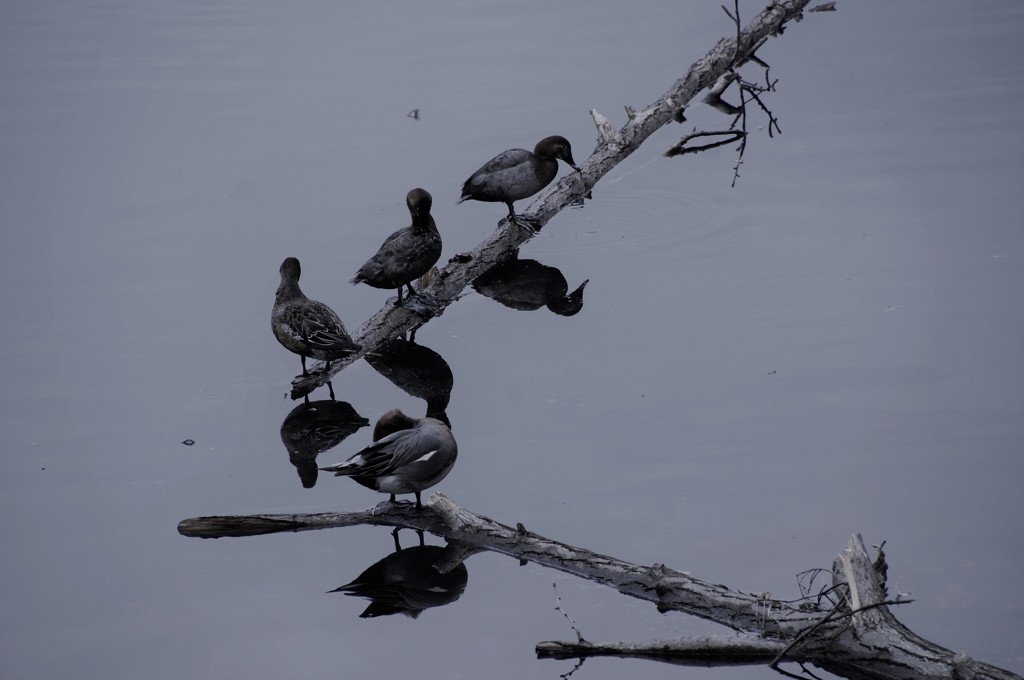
point(613, 147)
point(856, 637)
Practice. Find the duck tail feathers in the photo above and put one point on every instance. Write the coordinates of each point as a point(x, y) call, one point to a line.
point(341, 469)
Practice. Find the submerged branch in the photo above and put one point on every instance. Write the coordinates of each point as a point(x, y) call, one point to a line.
point(693, 651)
point(858, 637)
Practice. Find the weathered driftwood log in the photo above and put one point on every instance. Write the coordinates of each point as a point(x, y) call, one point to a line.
point(853, 634)
point(612, 148)
point(403, 515)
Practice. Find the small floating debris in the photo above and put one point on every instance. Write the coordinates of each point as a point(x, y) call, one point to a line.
point(414, 114)
point(189, 442)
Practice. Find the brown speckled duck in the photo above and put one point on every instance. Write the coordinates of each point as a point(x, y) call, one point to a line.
point(307, 327)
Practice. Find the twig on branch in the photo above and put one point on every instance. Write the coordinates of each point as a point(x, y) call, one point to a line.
point(734, 17)
point(754, 92)
point(747, 89)
point(739, 29)
point(681, 148)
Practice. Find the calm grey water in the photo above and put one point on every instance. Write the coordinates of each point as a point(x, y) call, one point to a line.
point(833, 346)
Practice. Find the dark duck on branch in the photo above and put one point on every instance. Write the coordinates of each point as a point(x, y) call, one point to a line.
point(408, 253)
point(517, 173)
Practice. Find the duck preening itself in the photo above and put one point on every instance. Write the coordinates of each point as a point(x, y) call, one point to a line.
point(407, 455)
point(408, 253)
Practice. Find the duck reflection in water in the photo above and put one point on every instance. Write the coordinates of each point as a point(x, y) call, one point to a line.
point(528, 285)
point(407, 455)
point(407, 582)
point(418, 371)
point(314, 427)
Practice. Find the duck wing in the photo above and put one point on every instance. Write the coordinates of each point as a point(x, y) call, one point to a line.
point(389, 260)
point(322, 329)
point(504, 161)
point(400, 449)
point(495, 174)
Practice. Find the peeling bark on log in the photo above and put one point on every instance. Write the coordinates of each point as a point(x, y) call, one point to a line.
point(859, 638)
point(613, 147)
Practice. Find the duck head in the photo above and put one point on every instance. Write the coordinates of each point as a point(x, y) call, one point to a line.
point(558, 147)
point(290, 270)
point(419, 202)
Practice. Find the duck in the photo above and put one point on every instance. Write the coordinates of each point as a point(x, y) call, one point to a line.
point(517, 173)
point(407, 455)
point(408, 253)
point(307, 327)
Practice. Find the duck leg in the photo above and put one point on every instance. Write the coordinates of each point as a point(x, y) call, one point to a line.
point(394, 535)
point(421, 302)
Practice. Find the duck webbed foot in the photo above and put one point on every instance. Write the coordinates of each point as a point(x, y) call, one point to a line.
point(422, 303)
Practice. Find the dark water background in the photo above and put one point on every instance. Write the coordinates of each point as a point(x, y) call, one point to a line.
point(833, 346)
